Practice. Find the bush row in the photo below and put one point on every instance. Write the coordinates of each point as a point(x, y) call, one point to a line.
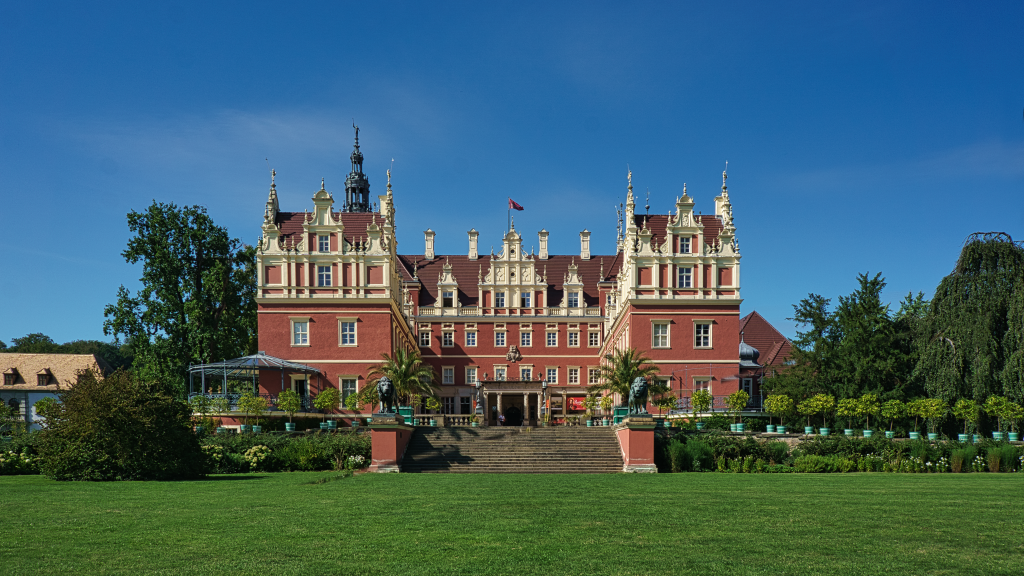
point(232, 453)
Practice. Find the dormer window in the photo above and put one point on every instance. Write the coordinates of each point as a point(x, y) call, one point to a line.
point(684, 245)
point(9, 377)
point(448, 299)
point(574, 299)
point(42, 379)
point(323, 244)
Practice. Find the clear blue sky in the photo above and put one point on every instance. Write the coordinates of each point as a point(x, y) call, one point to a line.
point(866, 136)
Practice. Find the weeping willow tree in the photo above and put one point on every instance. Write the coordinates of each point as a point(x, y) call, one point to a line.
point(972, 339)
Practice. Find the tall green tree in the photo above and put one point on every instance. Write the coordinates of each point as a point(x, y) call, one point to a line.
point(972, 342)
point(197, 300)
point(621, 368)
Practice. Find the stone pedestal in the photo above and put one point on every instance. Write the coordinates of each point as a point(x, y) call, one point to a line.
point(636, 440)
point(390, 436)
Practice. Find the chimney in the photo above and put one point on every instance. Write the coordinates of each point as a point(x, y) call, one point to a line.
point(429, 237)
point(585, 245)
point(542, 237)
point(473, 254)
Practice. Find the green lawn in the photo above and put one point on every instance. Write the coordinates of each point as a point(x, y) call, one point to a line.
point(522, 525)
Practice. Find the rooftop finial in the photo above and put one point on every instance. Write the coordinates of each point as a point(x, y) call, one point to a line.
point(629, 177)
point(272, 174)
point(648, 205)
point(725, 175)
point(357, 132)
point(321, 183)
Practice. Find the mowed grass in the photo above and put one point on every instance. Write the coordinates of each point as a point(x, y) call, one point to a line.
point(517, 524)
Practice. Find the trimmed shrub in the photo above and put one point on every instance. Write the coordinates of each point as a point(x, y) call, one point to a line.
point(308, 452)
point(119, 428)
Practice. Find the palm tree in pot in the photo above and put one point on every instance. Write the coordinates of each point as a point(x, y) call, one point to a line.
point(407, 372)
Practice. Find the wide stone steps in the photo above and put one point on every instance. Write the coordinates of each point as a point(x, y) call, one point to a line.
point(554, 450)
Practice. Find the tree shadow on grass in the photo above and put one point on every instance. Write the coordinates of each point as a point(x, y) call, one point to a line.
point(231, 477)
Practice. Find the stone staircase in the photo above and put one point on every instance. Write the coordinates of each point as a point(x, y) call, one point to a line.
point(550, 450)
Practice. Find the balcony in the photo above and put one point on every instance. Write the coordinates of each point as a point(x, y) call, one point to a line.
point(469, 311)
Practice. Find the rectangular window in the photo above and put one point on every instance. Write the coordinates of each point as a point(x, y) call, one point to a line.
point(660, 336)
point(702, 385)
point(526, 339)
point(425, 339)
point(42, 379)
point(447, 339)
point(449, 405)
point(608, 299)
point(464, 403)
point(348, 333)
point(470, 375)
point(499, 299)
point(470, 338)
point(524, 300)
point(593, 339)
point(574, 299)
point(574, 339)
point(552, 376)
point(747, 385)
point(348, 388)
point(685, 277)
point(300, 333)
point(684, 245)
point(526, 373)
point(702, 335)
point(448, 299)
point(499, 339)
point(552, 339)
point(593, 375)
point(447, 375)
point(323, 275)
point(8, 379)
point(323, 244)
point(574, 375)
point(499, 372)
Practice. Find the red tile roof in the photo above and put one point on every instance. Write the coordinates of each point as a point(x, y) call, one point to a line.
point(658, 225)
point(290, 223)
point(770, 343)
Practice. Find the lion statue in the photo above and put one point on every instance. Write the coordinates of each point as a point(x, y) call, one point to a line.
point(638, 396)
point(386, 395)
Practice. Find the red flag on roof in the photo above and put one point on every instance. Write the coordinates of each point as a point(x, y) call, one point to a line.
point(513, 206)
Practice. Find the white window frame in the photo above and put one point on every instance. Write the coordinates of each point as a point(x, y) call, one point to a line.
point(526, 339)
point(573, 375)
point(447, 339)
point(702, 383)
point(323, 243)
point(447, 374)
point(525, 299)
point(503, 369)
point(295, 322)
point(593, 339)
point(342, 334)
point(448, 299)
point(572, 299)
point(551, 339)
point(499, 339)
point(551, 375)
point(323, 276)
point(471, 374)
point(526, 372)
point(424, 339)
point(684, 245)
point(593, 375)
point(300, 378)
point(499, 299)
point(573, 335)
point(664, 339)
point(684, 277)
point(702, 340)
point(471, 338)
point(341, 387)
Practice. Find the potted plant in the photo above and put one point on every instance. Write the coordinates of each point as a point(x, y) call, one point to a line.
point(778, 405)
point(606, 406)
point(867, 407)
point(892, 410)
point(1012, 413)
point(415, 401)
point(259, 408)
point(327, 401)
point(200, 405)
point(701, 402)
point(589, 404)
point(249, 403)
point(916, 408)
point(933, 409)
point(220, 405)
point(966, 410)
point(736, 402)
point(817, 404)
point(847, 408)
point(995, 406)
point(353, 404)
point(433, 404)
point(289, 401)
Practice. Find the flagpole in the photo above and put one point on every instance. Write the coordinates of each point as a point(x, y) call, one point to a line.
point(509, 222)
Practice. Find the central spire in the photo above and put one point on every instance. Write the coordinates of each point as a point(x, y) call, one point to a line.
point(357, 187)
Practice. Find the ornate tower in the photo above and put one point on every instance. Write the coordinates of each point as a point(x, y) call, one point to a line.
point(357, 187)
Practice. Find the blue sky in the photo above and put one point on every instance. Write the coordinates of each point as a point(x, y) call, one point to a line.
point(868, 136)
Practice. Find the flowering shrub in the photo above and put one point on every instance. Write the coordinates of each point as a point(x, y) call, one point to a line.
point(214, 452)
point(978, 464)
point(355, 462)
point(256, 455)
point(12, 463)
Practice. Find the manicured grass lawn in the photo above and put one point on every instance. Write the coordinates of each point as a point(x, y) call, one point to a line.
point(522, 525)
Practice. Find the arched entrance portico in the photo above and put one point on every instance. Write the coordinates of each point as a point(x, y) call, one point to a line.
point(520, 401)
